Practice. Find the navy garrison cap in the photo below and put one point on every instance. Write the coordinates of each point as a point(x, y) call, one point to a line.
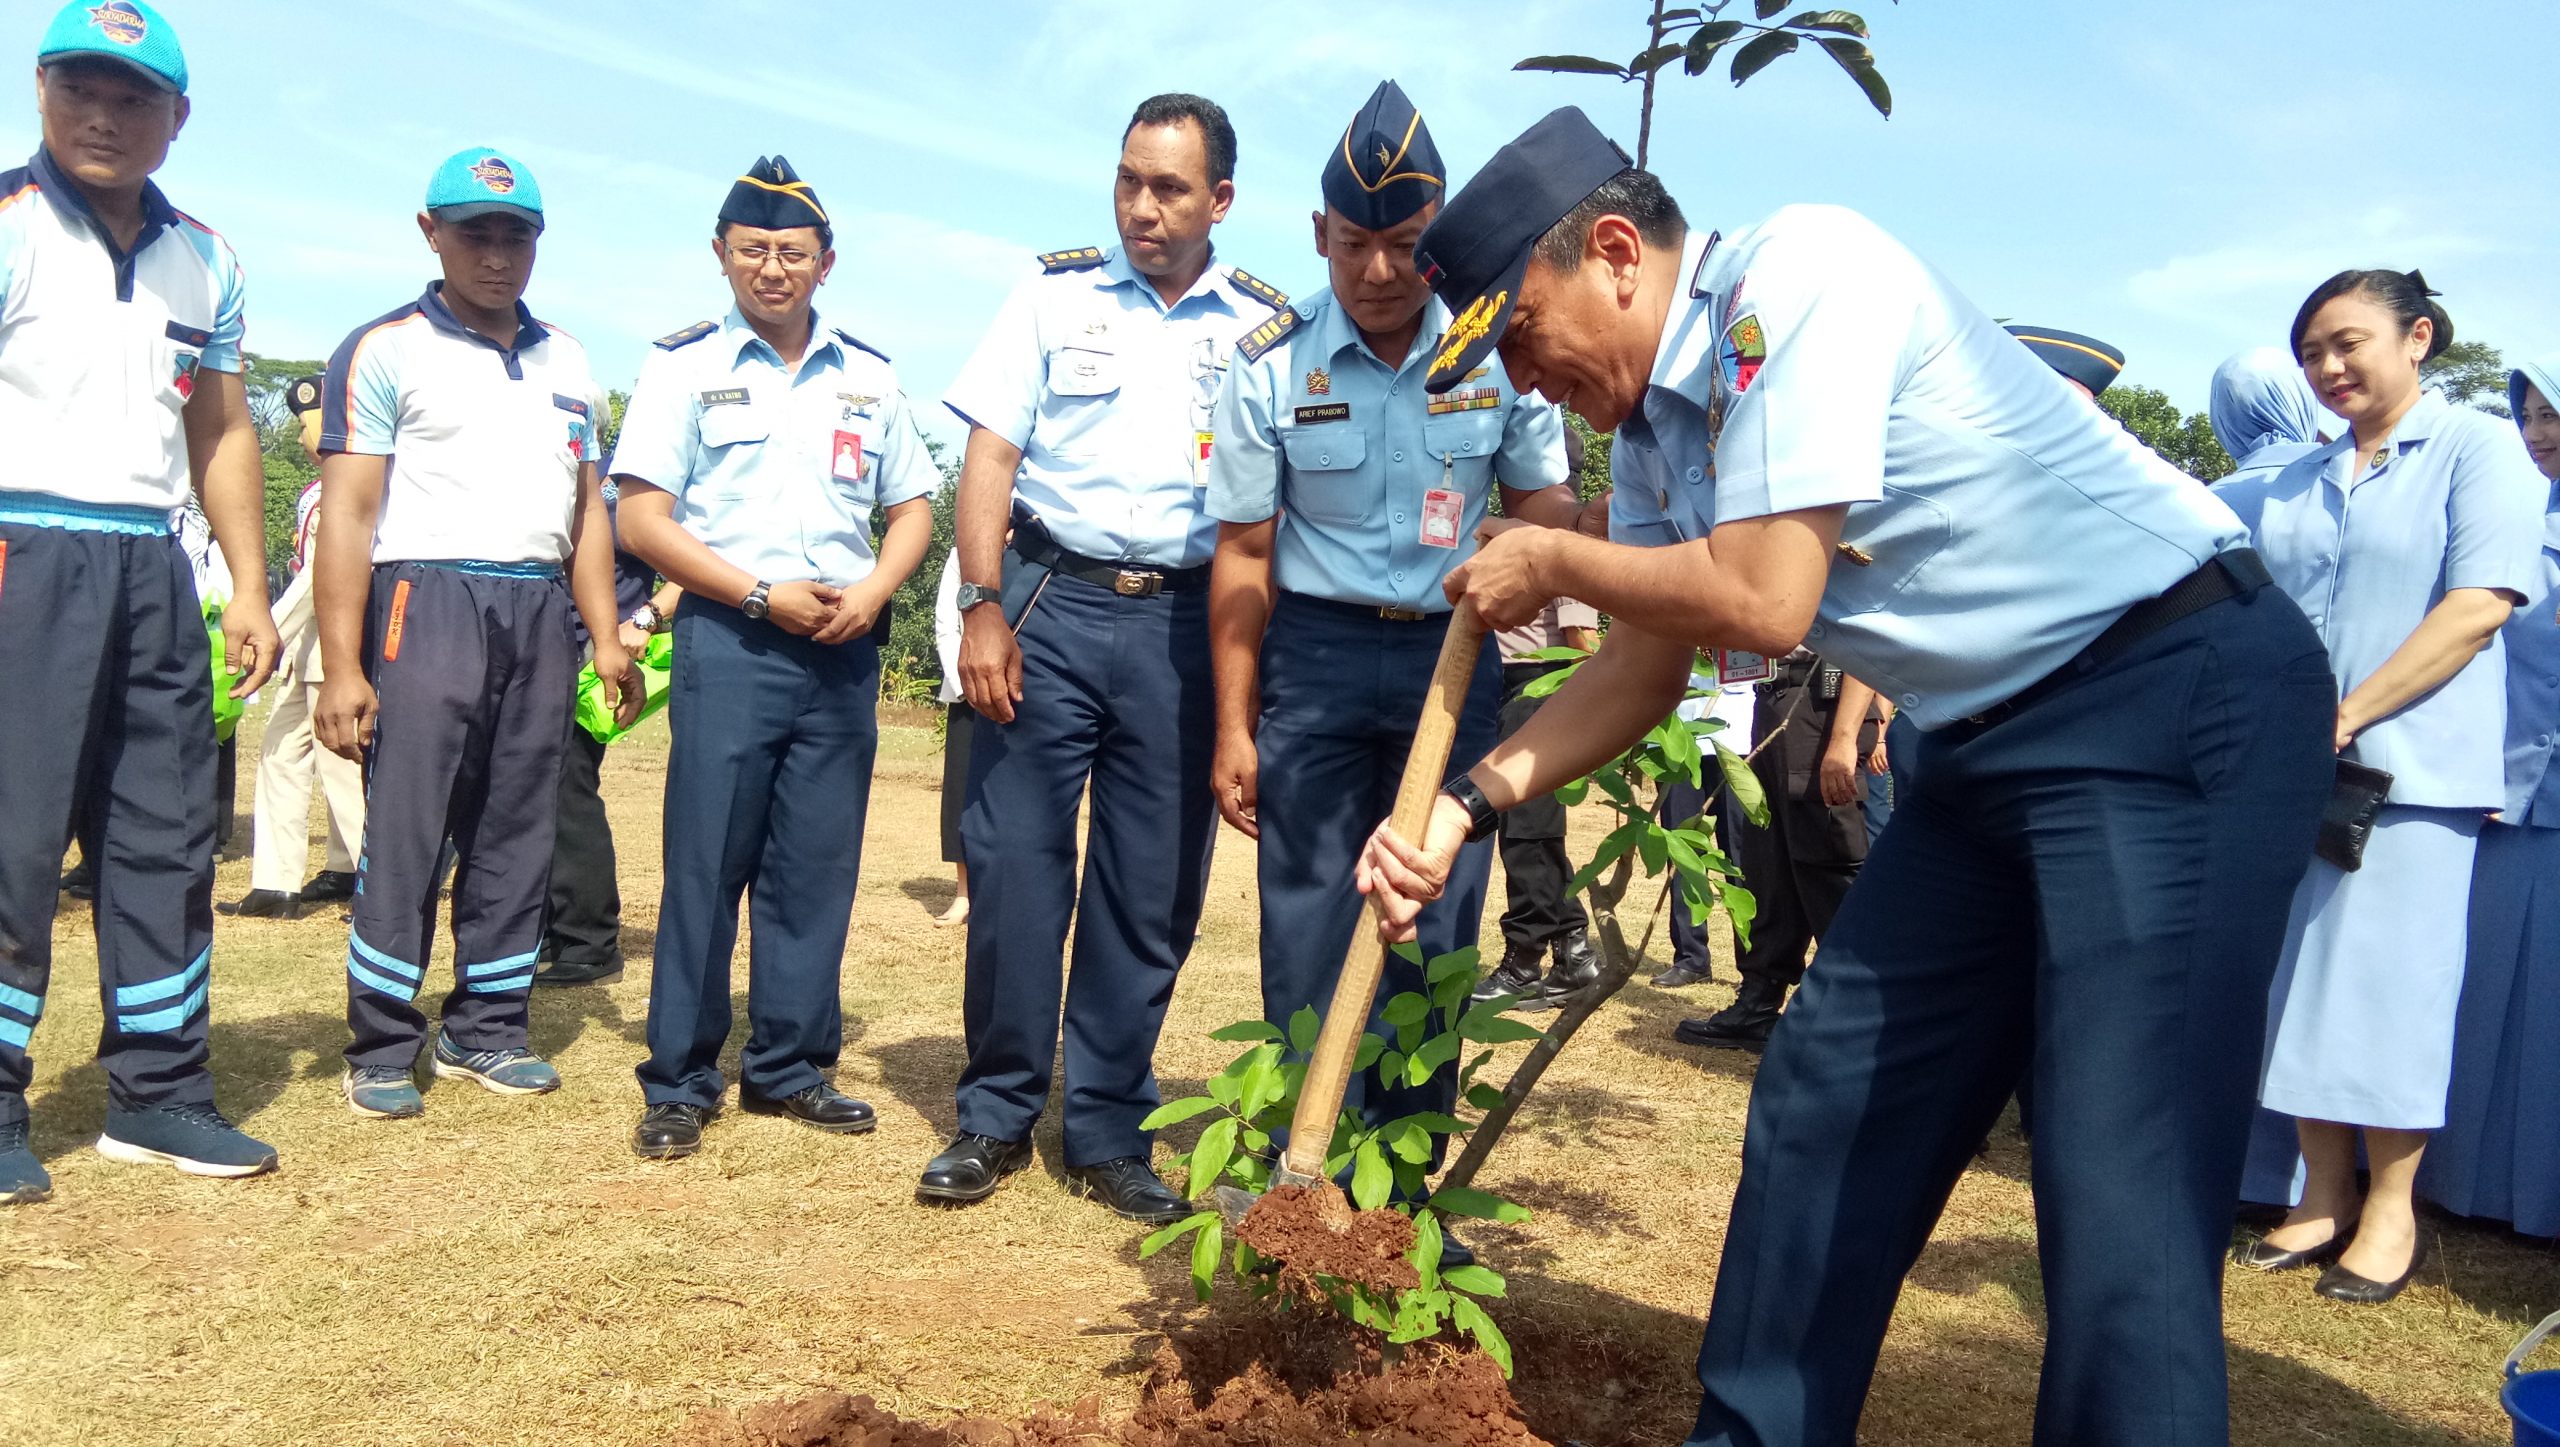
point(1386, 167)
point(2085, 360)
point(772, 197)
point(1474, 251)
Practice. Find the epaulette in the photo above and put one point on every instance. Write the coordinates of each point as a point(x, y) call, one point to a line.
point(1082, 258)
point(1266, 336)
point(689, 335)
point(849, 339)
point(1277, 298)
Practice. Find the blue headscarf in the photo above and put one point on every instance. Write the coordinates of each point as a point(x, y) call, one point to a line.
point(2261, 399)
point(2545, 377)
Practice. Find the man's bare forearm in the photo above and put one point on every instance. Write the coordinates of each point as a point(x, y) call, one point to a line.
point(651, 533)
point(1547, 507)
point(230, 479)
point(342, 559)
point(1633, 683)
point(983, 512)
point(902, 545)
point(1752, 585)
point(1240, 599)
point(591, 558)
point(1849, 715)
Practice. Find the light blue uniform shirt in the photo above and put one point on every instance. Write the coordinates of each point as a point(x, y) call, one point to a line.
point(2532, 638)
point(776, 469)
point(1998, 522)
point(1108, 392)
point(1346, 449)
point(2457, 504)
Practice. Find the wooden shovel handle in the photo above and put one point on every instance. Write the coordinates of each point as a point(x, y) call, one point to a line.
point(1425, 770)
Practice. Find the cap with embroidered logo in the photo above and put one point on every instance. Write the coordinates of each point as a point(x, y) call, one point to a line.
point(1385, 168)
point(303, 396)
point(483, 181)
point(772, 197)
point(1475, 251)
point(127, 31)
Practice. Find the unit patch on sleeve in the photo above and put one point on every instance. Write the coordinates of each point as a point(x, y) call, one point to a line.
point(1739, 355)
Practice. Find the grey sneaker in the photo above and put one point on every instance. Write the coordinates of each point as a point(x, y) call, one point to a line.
point(193, 1137)
point(508, 1072)
point(384, 1092)
point(23, 1181)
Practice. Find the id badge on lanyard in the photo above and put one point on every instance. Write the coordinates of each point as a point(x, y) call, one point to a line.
point(1444, 508)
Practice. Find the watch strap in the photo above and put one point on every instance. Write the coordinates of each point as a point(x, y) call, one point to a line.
point(1482, 817)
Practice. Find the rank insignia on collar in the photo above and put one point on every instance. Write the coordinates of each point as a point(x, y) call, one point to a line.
point(1319, 382)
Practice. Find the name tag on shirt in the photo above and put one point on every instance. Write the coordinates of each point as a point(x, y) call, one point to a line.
point(1324, 412)
point(1442, 511)
point(848, 457)
point(724, 397)
point(1735, 666)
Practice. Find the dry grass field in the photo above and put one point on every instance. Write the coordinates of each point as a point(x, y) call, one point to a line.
point(504, 1271)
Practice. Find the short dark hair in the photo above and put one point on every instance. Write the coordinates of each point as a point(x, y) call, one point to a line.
point(1217, 135)
point(1636, 195)
point(2403, 294)
point(826, 234)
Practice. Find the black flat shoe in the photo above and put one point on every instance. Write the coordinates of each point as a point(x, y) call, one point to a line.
point(554, 973)
point(2339, 1284)
point(1454, 1253)
point(1131, 1188)
point(820, 1107)
point(672, 1131)
point(970, 1168)
point(2257, 1255)
point(1680, 976)
point(329, 886)
point(263, 904)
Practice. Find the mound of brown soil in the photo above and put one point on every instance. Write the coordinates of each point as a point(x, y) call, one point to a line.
point(1277, 1387)
point(1312, 1231)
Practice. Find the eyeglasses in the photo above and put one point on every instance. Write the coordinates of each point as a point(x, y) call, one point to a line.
point(791, 259)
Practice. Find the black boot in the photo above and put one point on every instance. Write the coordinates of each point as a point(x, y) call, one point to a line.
point(1743, 1025)
point(1516, 975)
point(1577, 969)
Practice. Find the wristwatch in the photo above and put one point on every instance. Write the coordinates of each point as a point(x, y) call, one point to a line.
point(970, 595)
point(645, 618)
point(755, 606)
point(1482, 817)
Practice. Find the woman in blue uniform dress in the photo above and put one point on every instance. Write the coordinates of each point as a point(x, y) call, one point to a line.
point(2408, 542)
point(2498, 1155)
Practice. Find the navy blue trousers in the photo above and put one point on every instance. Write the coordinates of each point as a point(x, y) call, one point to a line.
point(1116, 692)
point(110, 722)
point(1341, 691)
point(2089, 896)
point(475, 673)
point(768, 782)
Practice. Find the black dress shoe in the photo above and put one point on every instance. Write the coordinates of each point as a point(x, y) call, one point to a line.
point(820, 1107)
point(1516, 975)
point(1680, 975)
point(80, 881)
point(970, 1168)
point(1743, 1025)
point(1454, 1253)
point(1577, 969)
point(579, 972)
point(1130, 1187)
point(2257, 1255)
point(2339, 1284)
point(263, 904)
point(671, 1131)
point(329, 886)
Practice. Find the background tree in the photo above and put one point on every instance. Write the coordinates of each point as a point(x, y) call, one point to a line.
point(2186, 439)
point(2470, 374)
point(910, 665)
point(280, 446)
point(1695, 35)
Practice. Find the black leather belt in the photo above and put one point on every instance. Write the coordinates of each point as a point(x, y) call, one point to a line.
point(1120, 578)
point(1363, 611)
point(2227, 575)
point(1785, 676)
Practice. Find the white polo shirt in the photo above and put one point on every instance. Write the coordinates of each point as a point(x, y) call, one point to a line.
point(99, 349)
point(488, 439)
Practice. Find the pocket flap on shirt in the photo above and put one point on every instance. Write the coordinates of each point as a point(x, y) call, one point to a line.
point(1325, 449)
point(725, 426)
point(1465, 436)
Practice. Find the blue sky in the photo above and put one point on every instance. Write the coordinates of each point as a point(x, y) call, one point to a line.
point(2171, 175)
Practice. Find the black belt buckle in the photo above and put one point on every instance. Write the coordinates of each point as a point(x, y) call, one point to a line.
point(1129, 583)
point(1402, 615)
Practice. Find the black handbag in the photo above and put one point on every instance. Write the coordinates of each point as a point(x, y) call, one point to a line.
point(2346, 825)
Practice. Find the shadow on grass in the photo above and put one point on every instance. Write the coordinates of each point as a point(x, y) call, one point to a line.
point(2497, 1272)
point(253, 1063)
point(934, 891)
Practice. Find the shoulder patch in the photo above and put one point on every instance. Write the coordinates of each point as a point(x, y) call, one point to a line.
point(689, 335)
point(1273, 295)
point(1082, 258)
point(1266, 336)
point(850, 340)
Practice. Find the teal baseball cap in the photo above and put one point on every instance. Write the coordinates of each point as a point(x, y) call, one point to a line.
point(482, 181)
point(125, 30)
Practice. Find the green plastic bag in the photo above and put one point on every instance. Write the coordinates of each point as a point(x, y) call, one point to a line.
point(226, 709)
point(657, 666)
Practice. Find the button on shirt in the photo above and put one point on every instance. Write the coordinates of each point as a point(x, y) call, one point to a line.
point(776, 468)
point(490, 438)
point(1998, 522)
point(1108, 391)
point(1345, 449)
point(100, 348)
point(2455, 504)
